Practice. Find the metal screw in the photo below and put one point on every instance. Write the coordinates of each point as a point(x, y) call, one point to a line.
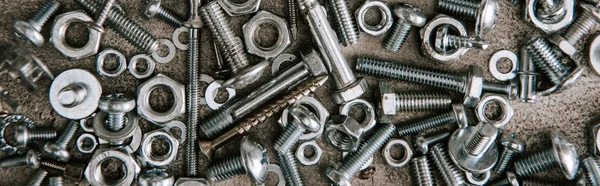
point(408, 16)
point(55, 181)
point(117, 106)
point(527, 77)
point(31, 159)
point(483, 13)
point(193, 88)
point(101, 16)
point(474, 149)
point(354, 161)
point(293, 18)
point(583, 24)
point(37, 178)
point(30, 29)
point(422, 143)
point(58, 150)
point(445, 42)
point(562, 154)
point(252, 161)
point(449, 171)
point(592, 171)
point(154, 8)
point(512, 146)
point(346, 27)
point(463, 84)
point(26, 135)
point(71, 170)
point(422, 171)
point(392, 102)
point(126, 27)
point(457, 115)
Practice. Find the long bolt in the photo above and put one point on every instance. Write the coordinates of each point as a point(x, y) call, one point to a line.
point(408, 16)
point(293, 18)
point(592, 171)
point(449, 171)
point(393, 102)
point(354, 161)
point(29, 30)
point(31, 159)
point(26, 135)
point(422, 171)
point(37, 178)
point(55, 181)
point(445, 42)
point(117, 106)
point(252, 161)
point(548, 159)
point(193, 88)
point(512, 147)
point(154, 8)
point(273, 109)
point(456, 115)
point(422, 143)
point(345, 25)
point(58, 150)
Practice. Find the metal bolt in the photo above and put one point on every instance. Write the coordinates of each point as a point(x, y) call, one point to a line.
point(37, 178)
point(422, 171)
point(483, 13)
point(293, 18)
point(127, 28)
point(469, 84)
point(31, 159)
point(512, 146)
point(117, 106)
point(527, 77)
point(30, 29)
point(102, 15)
point(347, 31)
point(592, 171)
point(449, 171)
point(562, 154)
point(58, 150)
point(446, 42)
point(55, 181)
point(408, 16)
point(354, 161)
point(208, 147)
point(252, 161)
point(583, 24)
point(392, 102)
point(153, 8)
point(457, 115)
point(474, 149)
point(71, 170)
point(26, 135)
point(193, 88)
point(422, 143)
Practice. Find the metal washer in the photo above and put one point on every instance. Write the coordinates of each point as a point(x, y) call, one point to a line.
point(208, 80)
point(211, 94)
point(170, 56)
point(594, 54)
point(133, 64)
point(176, 40)
point(83, 149)
point(89, 103)
point(514, 60)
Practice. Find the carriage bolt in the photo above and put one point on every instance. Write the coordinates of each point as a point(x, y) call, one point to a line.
point(482, 12)
point(408, 16)
point(55, 181)
point(154, 8)
point(348, 86)
point(512, 146)
point(583, 24)
point(450, 173)
point(422, 171)
point(446, 42)
point(102, 15)
point(592, 171)
point(26, 135)
point(193, 87)
point(471, 84)
point(30, 29)
point(347, 31)
point(293, 18)
point(457, 115)
point(71, 170)
point(208, 147)
point(31, 159)
point(252, 161)
point(242, 106)
point(127, 28)
point(117, 106)
point(422, 143)
point(355, 160)
point(527, 78)
point(392, 102)
point(474, 149)
point(58, 150)
point(37, 178)
point(562, 154)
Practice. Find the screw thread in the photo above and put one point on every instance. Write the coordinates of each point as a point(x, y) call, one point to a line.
point(41, 134)
point(344, 22)
point(582, 26)
point(169, 16)
point(226, 169)
point(426, 124)
point(104, 12)
point(464, 9)
point(67, 134)
point(535, 163)
point(481, 139)
point(592, 171)
point(497, 87)
point(55, 181)
point(464, 42)
point(289, 137)
point(192, 102)
point(293, 18)
point(290, 168)
point(505, 159)
point(354, 161)
point(422, 171)
point(127, 28)
point(399, 34)
point(116, 121)
point(43, 14)
point(449, 172)
point(422, 101)
point(386, 69)
point(37, 178)
point(546, 59)
point(54, 165)
point(533, 182)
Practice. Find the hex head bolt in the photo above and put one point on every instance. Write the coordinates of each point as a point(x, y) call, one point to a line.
point(422, 172)
point(253, 161)
point(445, 42)
point(592, 170)
point(26, 135)
point(31, 159)
point(37, 178)
point(422, 143)
point(392, 102)
point(154, 8)
point(562, 154)
point(449, 172)
point(348, 86)
point(512, 146)
point(355, 160)
point(474, 149)
point(117, 106)
point(408, 16)
point(346, 29)
point(193, 88)
point(30, 29)
point(208, 147)
point(72, 171)
point(55, 181)
point(483, 12)
point(456, 115)
point(58, 150)
point(527, 77)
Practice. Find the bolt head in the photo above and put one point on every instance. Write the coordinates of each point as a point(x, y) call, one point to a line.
point(336, 177)
point(512, 143)
point(388, 98)
point(116, 103)
point(487, 17)
point(57, 152)
point(474, 86)
point(410, 14)
point(151, 8)
point(207, 148)
point(26, 32)
point(304, 118)
point(461, 115)
point(440, 35)
point(33, 159)
point(255, 159)
point(514, 89)
point(21, 135)
point(420, 144)
point(566, 154)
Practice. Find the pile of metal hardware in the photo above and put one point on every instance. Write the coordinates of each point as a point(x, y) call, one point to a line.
point(459, 148)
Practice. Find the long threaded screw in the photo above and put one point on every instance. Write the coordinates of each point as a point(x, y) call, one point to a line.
point(457, 115)
point(193, 88)
point(547, 60)
point(37, 178)
point(592, 171)
point(55, 181)
point(422, 171)
point(293, 18)
point(545, 160)
point(31, 159)
point(346, 27)
point(154, 8)
point(465, 9)
point(512, 147)
point(449, 171)
point(102, 15)
point(35, 23)
point(26, 135)
point(393, 102)
point(58, 149)
point(422, 143)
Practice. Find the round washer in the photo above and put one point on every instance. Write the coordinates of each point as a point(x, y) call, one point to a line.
point(119, 136)
point(208, 80)
point(386, 18)
point(507, 111)
point(408, 153)
point(179, 125)
point(277, 170)
point(369, 121)
point(176, 35)
point(141, 58)
point(170, 56)
point(83, 123)
point(211, 94)
point(281, 59)
point(514, 60)
point(80, 141)
point(481, 179)
point(308, 161)
point(84, 79)
point(101, 59)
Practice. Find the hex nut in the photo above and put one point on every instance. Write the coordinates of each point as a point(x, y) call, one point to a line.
point(235, 9)
point(314, 105)
point(308, 161)
point(408, 153)
point(387, 19)
point(156, 177)
point(428, 32)
point(86, 149)
point(507, 111)
point(351, 91)
point(133, 62)
point(100, 61)
point(191, 182)
point(369, 122)
point(549, 27)
point(143, 99)
point(59, 30)
point(93, 172)
point(344, 133)
point(283, 36)
point(152, 159)
point(474, 86)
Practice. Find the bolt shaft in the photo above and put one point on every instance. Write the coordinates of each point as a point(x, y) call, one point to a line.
point(465, 9)
point(547, 60)
point(481, 139)
point(41, 134)
point(43, 14)
point(116, 121)
point(103, 14)
point(399, 34)
point(503, 161)
point(582, 26)
point(447, 169)
point(422, 171)
point(68, 134)
point(193, 94)
point(427, 124)
point(226, 169)
point(535, 163)
point(592, 171)
point(422, 102)
point(55, 181)
point(289, 138)
point(346, 27)
point(293, 18)
point(287, 161)
point(13, 161)
point(53, 165)
point(37, 178)
point(168, 16)
point(289, 167)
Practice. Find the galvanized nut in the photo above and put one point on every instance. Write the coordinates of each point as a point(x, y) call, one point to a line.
point(514, 60)
point(369, 122)
point(314, 105)
point(101, 58)
point(344, 133)
point(81, 143)
point(351, 92)
point(143, 58)
point(507, 111)
point(429, 31)
point(283, 36)
point(239, 9)
point(131, 169)
point(143, 99)
point(59, 31)
point(406, 149)
point(387, 19)
point(308, 161)
point(150, 157)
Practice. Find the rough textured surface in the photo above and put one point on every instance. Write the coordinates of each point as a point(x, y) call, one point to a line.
point(570, 111)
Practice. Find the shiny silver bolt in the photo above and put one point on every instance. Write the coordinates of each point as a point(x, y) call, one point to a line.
point(483, 12)
point(30, 29)
point(154, 8)
point(450, 173)
point(408, 16)
point(445, 42)
point(512, 146)
point(393, 102)
point(422, 171)
point(592, 171)
point(58, 150)
point(26, 135)
point(456, 115)
point(117, 106)
point(193, 88)
point(347, 31)
point(252, 161)
point(31, 159)
point(562, 154)
point(422, 143)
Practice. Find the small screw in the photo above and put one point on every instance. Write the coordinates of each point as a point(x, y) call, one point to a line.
point(117, 106)
point(408, 16)
point(26, 135)
point(31, 159)
point(445, 42)
point(512, 146)
point(154, 8)
point(456, 115)
point(252, 161)
point(422, 143)
point(58, 150)
point(422, 171)
point(447, 169)
point(37, 178)
point(562, 154)
point(71, 170)
point(30, 29)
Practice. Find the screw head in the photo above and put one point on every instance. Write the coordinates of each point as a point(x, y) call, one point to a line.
point(116, 103)
point(207, 148)
point(33, 159)
point(304, 118)
point(27, 32)
point(21, 135)
point(255, 159)
point(421, 144)
point(512, 143)
point(57, 152)
point(461, 115)
point(410, 14)
point(337, 177)
point(487, 17)
point(151, 8)
point(440, 39)
point(565, 154)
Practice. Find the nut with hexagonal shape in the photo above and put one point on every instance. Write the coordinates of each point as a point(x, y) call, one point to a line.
point(344, 133)
point(253, 25)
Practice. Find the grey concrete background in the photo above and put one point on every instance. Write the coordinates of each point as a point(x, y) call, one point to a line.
point(569, 111)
